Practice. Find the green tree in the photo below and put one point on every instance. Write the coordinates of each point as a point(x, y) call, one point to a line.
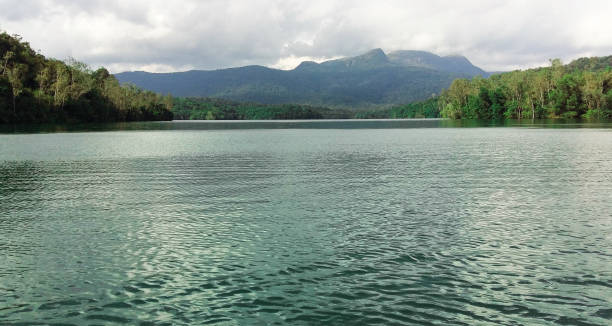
point(47, 90)
point(16, 75)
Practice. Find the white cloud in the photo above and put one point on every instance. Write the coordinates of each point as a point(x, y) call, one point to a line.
point(290, 62)
point(160, 35)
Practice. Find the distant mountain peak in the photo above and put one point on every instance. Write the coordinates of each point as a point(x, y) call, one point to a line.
point(377, 58)
point(412, 53)
point(373, 56)
point(306, 65)
point(457, 57)
point(371, 79)
point(377, 53)
point(372, 59)
point(450, 63)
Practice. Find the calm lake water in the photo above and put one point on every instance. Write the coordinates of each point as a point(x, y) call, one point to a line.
point(306, 223)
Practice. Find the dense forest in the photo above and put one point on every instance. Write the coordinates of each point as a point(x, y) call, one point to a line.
point(582, 89)
point(197, 108)
point(425, 109)
point(36, 89)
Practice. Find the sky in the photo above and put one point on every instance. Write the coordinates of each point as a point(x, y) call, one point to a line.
point(179, 35)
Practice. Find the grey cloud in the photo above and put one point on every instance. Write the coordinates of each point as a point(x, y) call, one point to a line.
point(139, 34)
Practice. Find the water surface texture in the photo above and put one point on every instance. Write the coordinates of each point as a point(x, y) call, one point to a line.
point(322, 225)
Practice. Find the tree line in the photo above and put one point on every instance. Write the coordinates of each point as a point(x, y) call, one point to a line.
point(582, 89)
point(426, 109)
point(202, 108)
point(36, 89)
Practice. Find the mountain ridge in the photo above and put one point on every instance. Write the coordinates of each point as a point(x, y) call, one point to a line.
point(372, 79)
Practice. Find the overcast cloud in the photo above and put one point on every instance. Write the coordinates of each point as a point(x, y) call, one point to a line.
point(155, 35)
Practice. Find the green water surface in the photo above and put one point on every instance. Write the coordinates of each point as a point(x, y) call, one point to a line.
point(306, 223)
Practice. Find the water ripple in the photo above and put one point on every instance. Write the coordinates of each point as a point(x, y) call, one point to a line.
point(307, 227)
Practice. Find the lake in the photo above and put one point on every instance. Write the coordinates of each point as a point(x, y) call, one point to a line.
point(417, 222)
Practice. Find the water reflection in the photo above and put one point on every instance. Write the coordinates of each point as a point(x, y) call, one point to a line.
point(300, 124)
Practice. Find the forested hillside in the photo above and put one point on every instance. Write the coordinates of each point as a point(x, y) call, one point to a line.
point(426, 109)
point(36, 89)
point(582, 89)
point(371, 80)
point(221, 109)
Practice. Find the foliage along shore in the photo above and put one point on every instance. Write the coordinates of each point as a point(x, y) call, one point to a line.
point(579, 90)
point(202, 108)
point(34, 89)
point(582, 89)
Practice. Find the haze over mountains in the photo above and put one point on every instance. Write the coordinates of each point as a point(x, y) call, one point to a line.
point(373, 79)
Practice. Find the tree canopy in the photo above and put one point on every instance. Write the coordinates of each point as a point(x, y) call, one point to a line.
point(36, 89)
point(582, 89)
point(198, 108)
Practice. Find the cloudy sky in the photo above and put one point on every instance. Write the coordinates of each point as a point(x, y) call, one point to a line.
point(162, 35)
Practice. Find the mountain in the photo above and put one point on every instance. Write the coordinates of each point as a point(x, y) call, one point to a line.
point(370, 80)
point(455, 63)
point(373, 59)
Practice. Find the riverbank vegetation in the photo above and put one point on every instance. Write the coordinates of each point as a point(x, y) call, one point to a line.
point(582, 89)
point(34, 89)
point(425, 109)
point(198, 108)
